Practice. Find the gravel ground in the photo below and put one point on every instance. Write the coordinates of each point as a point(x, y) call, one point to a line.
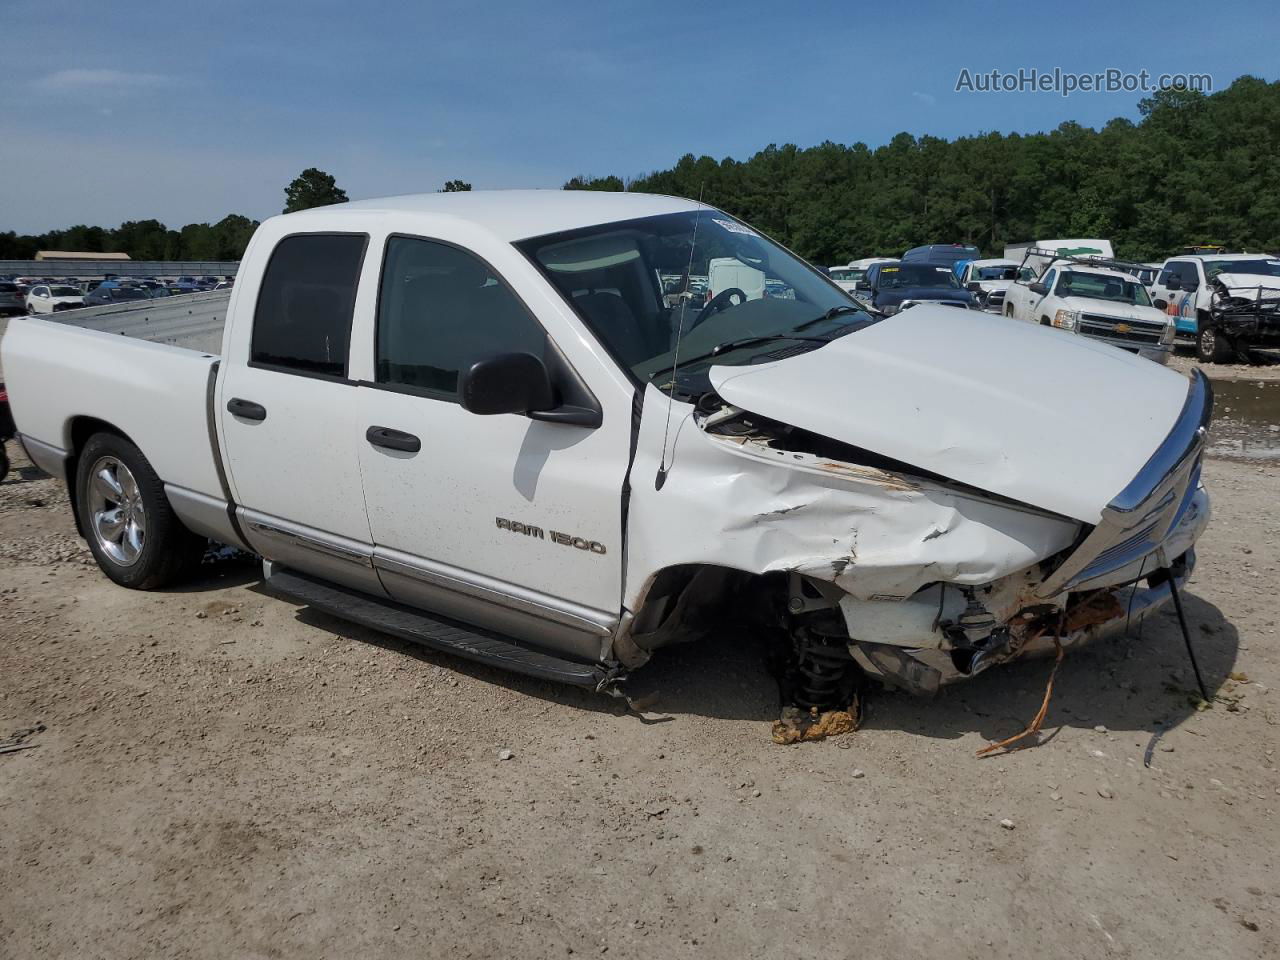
point(220, 773)
point(1266, 365)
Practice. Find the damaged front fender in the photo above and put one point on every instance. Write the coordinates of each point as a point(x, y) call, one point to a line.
point(737, 497)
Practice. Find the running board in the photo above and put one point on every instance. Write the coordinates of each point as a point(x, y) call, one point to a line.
point(435, 632)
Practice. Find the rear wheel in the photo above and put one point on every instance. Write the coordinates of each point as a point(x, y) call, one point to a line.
point(132, 530)
point(1212, 346)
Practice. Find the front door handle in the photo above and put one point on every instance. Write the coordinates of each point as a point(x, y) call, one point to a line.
point(247, 409)
point(393, 439)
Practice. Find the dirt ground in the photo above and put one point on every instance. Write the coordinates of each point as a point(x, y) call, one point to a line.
point(1265, 365)
point(223, 774)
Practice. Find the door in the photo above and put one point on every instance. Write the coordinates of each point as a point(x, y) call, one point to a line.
point(290, 416)
point(503, 521)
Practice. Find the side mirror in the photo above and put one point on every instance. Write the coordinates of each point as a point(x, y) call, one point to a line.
point(506, 383)
point(862, 285)
point(1173, 283)
point(1039, 288)
point(973, 286)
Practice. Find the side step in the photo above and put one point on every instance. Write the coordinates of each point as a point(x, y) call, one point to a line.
point(435, 632)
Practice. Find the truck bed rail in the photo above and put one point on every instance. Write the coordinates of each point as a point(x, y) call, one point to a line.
point(193, 320)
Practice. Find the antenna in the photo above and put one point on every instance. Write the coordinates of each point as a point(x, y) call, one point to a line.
point(661, 478)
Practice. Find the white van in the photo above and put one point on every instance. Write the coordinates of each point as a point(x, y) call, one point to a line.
point(728, 273)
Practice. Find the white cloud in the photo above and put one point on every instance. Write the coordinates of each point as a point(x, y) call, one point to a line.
point(928, 98)
point(79, 80)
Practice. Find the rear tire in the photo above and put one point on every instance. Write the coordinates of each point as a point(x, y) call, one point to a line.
point(4, 462)
point(1212, 346)
point(135, 536)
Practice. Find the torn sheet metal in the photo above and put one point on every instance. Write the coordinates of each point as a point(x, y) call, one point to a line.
point(876, 534)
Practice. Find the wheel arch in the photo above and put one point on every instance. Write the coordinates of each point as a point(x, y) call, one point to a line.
point(77, 433)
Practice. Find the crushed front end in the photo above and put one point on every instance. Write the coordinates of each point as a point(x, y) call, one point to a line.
point(1113, 575)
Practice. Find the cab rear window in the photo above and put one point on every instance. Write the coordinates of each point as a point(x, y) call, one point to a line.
point(302, 323)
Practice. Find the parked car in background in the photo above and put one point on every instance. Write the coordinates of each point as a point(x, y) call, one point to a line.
point(1147, 273)
point(176, 289)
point(224, 285)
point(1092, 301)
point(114, 294)
point(1184, 289)
point(853, 273)
point(893, 286)
point(51, 298)
point(12, 298)
point(988, 280)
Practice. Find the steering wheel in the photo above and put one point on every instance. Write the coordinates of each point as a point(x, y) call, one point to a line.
point(718, 303)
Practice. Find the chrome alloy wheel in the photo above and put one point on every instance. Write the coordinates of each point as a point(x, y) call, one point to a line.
point(116, 513)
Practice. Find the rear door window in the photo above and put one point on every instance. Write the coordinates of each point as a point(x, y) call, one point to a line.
point(302, 323)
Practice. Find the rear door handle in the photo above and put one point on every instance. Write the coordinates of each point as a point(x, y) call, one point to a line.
point(247, 409)
point(393, 439)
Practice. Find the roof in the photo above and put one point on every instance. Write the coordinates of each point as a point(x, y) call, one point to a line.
point(513, 214)
point(78, 255)
point(994, 262)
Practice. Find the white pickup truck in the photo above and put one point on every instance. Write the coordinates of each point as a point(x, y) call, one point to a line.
point(460, 418)
point(989, 281)
point(1204, 294)
point(1090, 298)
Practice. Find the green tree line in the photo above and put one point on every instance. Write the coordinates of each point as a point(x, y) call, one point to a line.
point(140, 239)
point(1194, 168)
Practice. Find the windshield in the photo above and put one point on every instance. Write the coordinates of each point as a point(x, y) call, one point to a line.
point(996, 273)
point(65, 291)
point(638, 283)
point(1097, 286)
point(1264, 268)
point(912, 275)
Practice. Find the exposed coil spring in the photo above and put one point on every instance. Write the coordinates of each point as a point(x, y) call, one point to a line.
point(825, 676)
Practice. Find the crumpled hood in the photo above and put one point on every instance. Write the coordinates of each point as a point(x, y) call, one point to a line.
point(1121, 311)
point(1034, 414)
point(1245, 285)
point(990, 286)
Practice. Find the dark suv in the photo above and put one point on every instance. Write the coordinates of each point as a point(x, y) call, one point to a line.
point(899, 285)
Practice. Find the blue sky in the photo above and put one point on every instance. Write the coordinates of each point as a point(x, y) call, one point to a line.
point(129, 109)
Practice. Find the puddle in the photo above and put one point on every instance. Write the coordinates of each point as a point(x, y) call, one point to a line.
point(1246, 420)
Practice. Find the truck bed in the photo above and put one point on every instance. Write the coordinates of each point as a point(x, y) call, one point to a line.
point(192, 321)
point(144, 369)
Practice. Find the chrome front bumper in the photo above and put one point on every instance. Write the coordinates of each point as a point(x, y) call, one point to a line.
point(1141, 517)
